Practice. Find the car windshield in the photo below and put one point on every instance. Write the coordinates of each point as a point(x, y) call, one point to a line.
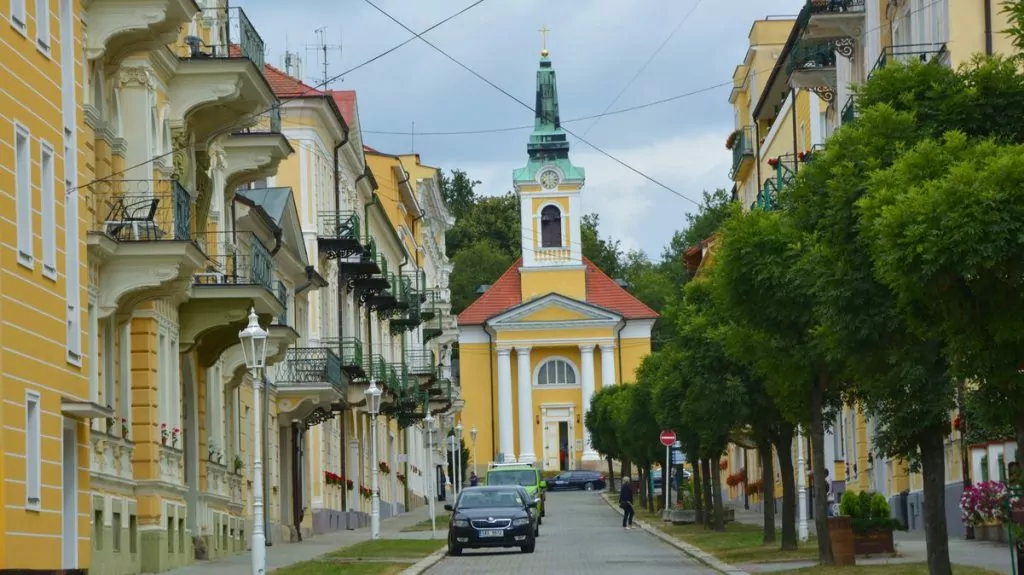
point(490, 498)
point(524, 477)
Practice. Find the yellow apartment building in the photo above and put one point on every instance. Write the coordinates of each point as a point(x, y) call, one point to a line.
point(791, 92)
point(48, 397)
point(572, 328)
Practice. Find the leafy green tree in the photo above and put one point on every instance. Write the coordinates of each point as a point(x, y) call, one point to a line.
point(492, 218)
point(638, 431)
point(459, 192)
point(605, 253)
point(480, 263)
point(604, 435)
point(714, 209)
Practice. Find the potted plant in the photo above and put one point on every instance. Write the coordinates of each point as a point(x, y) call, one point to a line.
point(730, 142)
point(349, 483)
point(165, 434)
point(239, 465)
point(110, 423)
point(871, 522)
point(124, 428)
point(401, 477)
point(175, 435)
point(723, 464)
point(983, 507)
point(383, 466)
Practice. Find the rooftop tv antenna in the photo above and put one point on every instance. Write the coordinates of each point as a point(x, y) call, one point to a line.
point(323, 51)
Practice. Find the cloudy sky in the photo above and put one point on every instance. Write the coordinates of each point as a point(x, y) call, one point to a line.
point(596, 46)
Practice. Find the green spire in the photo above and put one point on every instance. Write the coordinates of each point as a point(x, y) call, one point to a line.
point(548, 141)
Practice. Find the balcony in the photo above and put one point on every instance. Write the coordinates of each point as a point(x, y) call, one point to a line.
point(142, 236)
point(256, 151)
point(118, 28)
point(380, 293)
point(361, 266)
point(908, 53)
point(742, 141)
point(432, 328)
point(829, 19)
point(812, 66)
point(310, 377)
point(440, 396)
point(338, 234)
point(238, 274)
point(410, 299)
point(219, 80)
point(404, 401)
point(421, 364)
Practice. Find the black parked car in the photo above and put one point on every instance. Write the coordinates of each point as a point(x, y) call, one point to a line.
point(492, 516)
point(585, 480)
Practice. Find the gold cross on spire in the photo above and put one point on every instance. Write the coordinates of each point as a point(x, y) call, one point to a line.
point(544, 40)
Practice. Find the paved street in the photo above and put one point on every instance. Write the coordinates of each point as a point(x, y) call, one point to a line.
point(580, 534)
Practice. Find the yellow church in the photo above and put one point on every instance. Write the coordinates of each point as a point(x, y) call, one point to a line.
point(571, 329)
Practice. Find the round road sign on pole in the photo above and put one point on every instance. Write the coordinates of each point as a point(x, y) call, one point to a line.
point(668, 437)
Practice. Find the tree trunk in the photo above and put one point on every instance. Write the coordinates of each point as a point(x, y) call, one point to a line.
point(611, 475)
point(698, 495)
point(784, 448)
point(1019, 428)
point(716, 486)
point(825, 556)
point(708, 500)
point(933, 471)
point(764, 450)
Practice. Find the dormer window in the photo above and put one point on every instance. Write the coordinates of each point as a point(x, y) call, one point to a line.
point(551, 227)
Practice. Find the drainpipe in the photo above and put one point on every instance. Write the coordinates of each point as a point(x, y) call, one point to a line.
point(757, 158)
point(341, 324)
point(988, 27)
point(266, 469)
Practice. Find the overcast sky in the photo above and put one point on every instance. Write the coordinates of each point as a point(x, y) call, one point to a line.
point(596, 47)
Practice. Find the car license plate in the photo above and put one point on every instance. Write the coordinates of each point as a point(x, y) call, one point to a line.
point(491, 533)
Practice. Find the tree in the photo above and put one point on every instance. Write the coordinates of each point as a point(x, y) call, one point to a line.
point(479, 263)
point(458, 192)
point(604, 435)
point(492, 218)
point(606, 254)
point(713, 210)
point(766, 286)
point(638, 431)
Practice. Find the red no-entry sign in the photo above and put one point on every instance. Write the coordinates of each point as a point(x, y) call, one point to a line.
point(668, 437)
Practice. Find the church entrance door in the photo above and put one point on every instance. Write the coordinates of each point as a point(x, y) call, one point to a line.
point(559, 434)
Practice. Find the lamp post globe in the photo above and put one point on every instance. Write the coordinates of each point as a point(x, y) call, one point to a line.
point(254, 348)
point(472, 441)
point(373, 394)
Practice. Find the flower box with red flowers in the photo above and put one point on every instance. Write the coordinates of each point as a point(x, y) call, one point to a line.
point(383, 466)
point(723, 464)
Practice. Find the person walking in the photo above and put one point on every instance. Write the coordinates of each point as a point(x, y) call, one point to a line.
point(626, 503)
point(473, 480)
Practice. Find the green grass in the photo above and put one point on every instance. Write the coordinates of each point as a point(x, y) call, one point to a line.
point(389, 549)
point(442, 523)
point(315, 567)
point(895, 569)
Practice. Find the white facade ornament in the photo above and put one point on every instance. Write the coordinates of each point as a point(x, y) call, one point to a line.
point(135, 77)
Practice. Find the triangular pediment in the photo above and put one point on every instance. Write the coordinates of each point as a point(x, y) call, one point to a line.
point(554, 311)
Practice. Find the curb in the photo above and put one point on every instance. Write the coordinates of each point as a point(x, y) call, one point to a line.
point(427, 562)
point(694, 552)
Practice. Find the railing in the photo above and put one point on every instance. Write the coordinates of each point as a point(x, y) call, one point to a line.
point(338, 225)
point(742, 148)
point(238, 258)
point(811, 55)
point(907, 53)
point(310, 366)
point(352, 352)
point(223, 32)
point(849, 111)
point(142, 210)
point(268, 122)
point(282, 296)
point(376, 367)
point(420, 361)
point(816, 7)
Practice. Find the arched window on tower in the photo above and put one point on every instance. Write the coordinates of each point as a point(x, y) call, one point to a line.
point(556, 371)
point(551, 227)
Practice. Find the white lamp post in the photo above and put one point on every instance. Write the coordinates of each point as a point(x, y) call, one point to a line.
point(373, 394)
point(801, 485)
point(428, 427)
point(458, 454)
point(472, 440)
point(254, 348)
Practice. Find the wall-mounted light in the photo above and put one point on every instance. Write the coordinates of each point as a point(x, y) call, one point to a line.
point(537, 419)
point(577, 419)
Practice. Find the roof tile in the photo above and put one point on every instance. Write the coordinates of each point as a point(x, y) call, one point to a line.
point(602, 291)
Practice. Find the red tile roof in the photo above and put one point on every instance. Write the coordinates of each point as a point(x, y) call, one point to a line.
point(285, 86)
point(602, 291)
point(346, 102)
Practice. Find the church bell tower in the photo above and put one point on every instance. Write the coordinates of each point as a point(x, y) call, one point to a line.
point(549, 189)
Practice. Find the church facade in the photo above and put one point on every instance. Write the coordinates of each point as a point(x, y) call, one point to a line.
point(553, 329)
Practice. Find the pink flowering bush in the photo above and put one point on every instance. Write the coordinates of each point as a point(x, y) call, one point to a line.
point(983, 503)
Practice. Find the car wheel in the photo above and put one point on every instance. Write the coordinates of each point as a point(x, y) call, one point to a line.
point(589, 486)
point(454, 550)
point(536, 531)
point(529, 548)
point(539, 520)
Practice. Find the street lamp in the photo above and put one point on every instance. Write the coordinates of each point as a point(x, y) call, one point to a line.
point(801, 485)
point(472, 440)
point(254, 349)
point(458, 453)
point(373, 394)
point(428, 427)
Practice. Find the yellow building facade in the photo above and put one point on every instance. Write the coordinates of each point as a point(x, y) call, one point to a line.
point(570, 328)
point(791, 92)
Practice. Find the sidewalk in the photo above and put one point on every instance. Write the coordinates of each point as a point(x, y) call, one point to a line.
point(909, 544)
point(285, 554)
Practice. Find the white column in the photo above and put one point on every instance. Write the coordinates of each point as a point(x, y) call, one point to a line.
point(607, 365)
point(505, 433)
point(526, 454)
point(587, 366)
point(801, 482)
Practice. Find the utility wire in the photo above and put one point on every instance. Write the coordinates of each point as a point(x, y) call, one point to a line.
point(310, 89)
point(644, 67)
point(527, 106)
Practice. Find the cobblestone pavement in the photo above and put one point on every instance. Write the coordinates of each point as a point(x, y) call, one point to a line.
point(580, 534)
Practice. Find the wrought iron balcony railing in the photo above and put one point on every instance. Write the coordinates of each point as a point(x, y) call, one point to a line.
point(816, 7)
point(742, 148)
point(142, 210)
point(338, 226)
point(282, 296)
point(311, 366)
point(223, 32)
point(849, 111)
point(432, 328)
point(907, 53)
point(421, 361)
point(811, 55)
point(376, 367)
point(236, 258)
